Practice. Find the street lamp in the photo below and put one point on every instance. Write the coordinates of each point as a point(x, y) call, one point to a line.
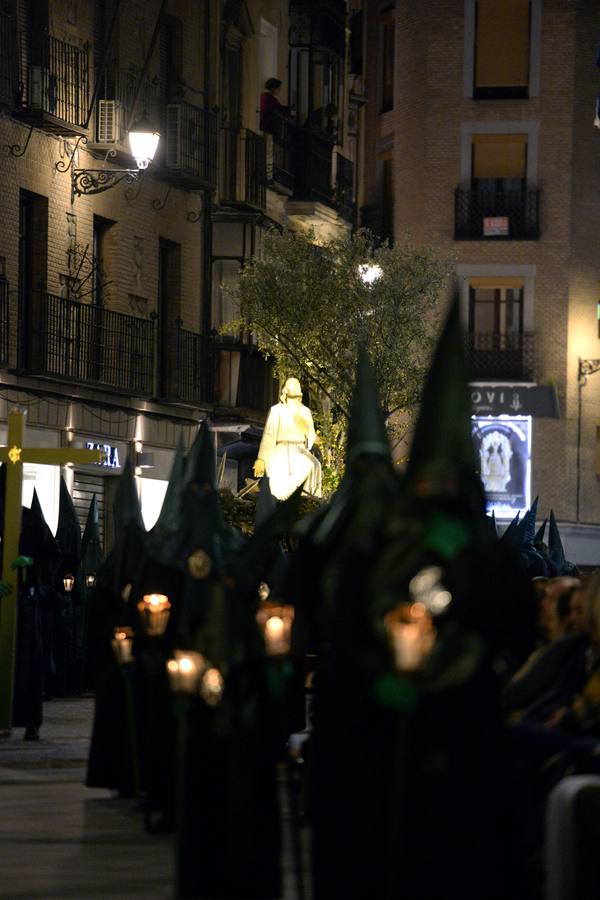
point(143, 143)
point(585, 368)
point(369, 273)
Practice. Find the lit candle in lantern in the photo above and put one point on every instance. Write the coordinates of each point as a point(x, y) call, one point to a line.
point(185, 671)
point(276, 623)
point(122, 644)
point(68, 583)
point(211, 686)
point(154, 610)
point(412, 635)
point(90, 580)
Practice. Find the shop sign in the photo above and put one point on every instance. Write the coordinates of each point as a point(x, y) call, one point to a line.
point(111, 454)
point(503, 450)
point(520, 400)
point(495, 226)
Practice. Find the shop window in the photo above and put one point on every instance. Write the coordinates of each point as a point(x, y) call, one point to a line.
point(502, 42)
point(388, 51)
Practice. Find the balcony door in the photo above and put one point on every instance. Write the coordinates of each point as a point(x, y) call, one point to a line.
point(497, 343)
point(33, 274)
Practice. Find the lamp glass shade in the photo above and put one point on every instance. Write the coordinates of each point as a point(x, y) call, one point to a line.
point(69, 583)
point(122, 644)
point(370, 273)
point(90, 580)
point(154, 610)
point(143, 142)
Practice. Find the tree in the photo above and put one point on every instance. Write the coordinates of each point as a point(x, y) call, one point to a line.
point(310, 310)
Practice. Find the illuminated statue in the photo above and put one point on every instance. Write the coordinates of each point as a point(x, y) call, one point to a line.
point(284, 452)
point(495, 455)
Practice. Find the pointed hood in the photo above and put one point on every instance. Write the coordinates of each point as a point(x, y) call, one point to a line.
point(127, 509)
point(68, 532)
point(539, 537)
point(491, 523)
point(91, 548)
point(442, 464)
point(525, 530)
point(265, 505)
point(511, 535)
point(556, 551)
point(201, 465)
point(38, 542)
point(367, 433)
point(169, 519)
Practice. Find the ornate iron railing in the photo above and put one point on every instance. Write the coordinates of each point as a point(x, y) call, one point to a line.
point(344, 187)
point(190, 152)
point(243, 377)
point(117, 94)
point(311, 159)
point(4, 322)
point(87, 343)
point(53, 78)
point(508, 215)
point(8, 61)
point(279, 171)
point(500, 357)
point(243, 167)
point(193, 356)
point(255, 169)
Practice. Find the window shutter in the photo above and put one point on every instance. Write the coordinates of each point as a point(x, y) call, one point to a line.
point(499, 155)
point(502, 43)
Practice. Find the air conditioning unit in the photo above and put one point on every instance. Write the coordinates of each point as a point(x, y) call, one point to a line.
point(39, 78)
point(174, 136)
point(109, 120)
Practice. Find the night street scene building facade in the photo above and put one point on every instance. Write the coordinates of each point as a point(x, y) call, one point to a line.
point(111, 303)
point(480, 141)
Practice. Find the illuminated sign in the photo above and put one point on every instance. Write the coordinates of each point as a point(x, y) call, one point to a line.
point(111, 454)
point(503, 449)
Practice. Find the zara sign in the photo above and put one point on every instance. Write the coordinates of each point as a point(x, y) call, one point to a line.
point(111, 454)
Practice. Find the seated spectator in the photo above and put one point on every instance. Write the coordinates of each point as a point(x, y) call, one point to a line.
point(269, 104)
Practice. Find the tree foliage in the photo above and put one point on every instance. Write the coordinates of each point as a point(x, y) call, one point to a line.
point(310, 310)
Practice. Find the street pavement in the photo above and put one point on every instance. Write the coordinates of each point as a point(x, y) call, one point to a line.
point(59, 839)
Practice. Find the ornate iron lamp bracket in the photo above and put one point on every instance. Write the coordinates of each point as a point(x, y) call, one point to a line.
point(95, 181)
point(587, 367)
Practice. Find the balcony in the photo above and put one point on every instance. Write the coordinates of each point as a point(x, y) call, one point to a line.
point(4, 322)
point(243, 377)
point(500, 357)
point(185, 378)
point(53, 84)
point(189, 158)
point(86, 343)
point(344, 187)
point(244, 167)
point(496, 215)
point(8, 62)
point(312, 166)
point(279, 150)
point(116, 97)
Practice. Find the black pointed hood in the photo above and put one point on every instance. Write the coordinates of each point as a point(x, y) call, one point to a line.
point(367, 433)
point(68, 532)
point(127, 510)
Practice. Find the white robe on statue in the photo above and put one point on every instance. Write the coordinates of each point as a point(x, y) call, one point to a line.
point(285, 450)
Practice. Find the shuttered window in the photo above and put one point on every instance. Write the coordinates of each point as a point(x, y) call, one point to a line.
point(502, 42)
point(499, 156)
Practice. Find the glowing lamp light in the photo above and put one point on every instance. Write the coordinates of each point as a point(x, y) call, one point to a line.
point(90, 580)
point(185, 671)
point(211, 687)
point(411, 634)
point(276, 624)
point(154, 610)
point(143, 142)
point(370, 273)
point(122, 644)
point(69, 583)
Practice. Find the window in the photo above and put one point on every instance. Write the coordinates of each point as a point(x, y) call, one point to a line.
point(502, 46)
point(387, 64)
point(496, 306)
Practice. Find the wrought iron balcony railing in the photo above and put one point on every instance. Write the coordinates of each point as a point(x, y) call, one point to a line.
point(243, 377)
point(500, 357)
point(194, 356)
point(279, 166)
point(243, 167)
point(312, 165)
point(4, 322)
point(87, 343)
point(344, 187)
point(509, 215)
point(116, 97)
point(190, 149)
point(8, 61)
point(53, 79)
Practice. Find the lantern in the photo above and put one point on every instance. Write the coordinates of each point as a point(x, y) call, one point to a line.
point(143, 142)
point(122, 644)
point(276, 622)
point(69, 582)
point(412, 635)
point(154, 610)
point(185, 671)
point(90, 580)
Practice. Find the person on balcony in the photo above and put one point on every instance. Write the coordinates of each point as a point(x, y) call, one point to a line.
point(269, 104)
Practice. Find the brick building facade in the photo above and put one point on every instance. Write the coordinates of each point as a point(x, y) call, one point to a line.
point(111, 301)
point(480, 142)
